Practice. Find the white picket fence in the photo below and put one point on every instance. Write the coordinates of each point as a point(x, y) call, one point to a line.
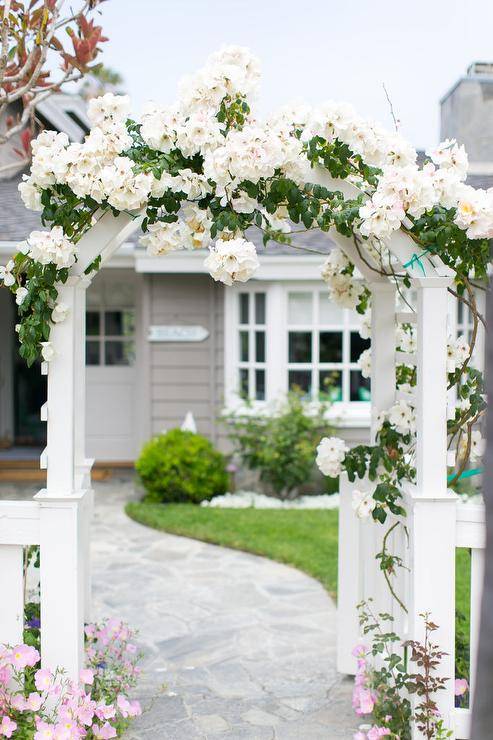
point(429, 559)
point(54, 525)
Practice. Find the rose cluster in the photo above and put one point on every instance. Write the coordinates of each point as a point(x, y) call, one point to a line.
point(45, 705)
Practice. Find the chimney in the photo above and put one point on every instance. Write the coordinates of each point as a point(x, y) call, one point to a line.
point(467, 115)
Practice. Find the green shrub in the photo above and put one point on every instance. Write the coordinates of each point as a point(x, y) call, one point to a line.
point(181, 467)
point(281, 446)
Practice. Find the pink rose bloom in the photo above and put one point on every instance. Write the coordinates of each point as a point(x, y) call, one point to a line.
point(359, 736)
point(43, 679)
point(7, 726)
point(44, 731)
point(461, 686)
point(104, 732)
point(87, 676)
point(23, 656)
point(90, 630)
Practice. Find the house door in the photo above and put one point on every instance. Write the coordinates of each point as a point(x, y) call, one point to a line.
point(110, 367)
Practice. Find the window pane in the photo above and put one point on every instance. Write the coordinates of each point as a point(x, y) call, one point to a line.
point(244, 392)
point(260, 385)
point(243, 346)
point(300, 346)
point(92, 323)
point(300, 380)
point(358, 346)
point(330, 385)
point(260, 346)
point(244, 300)
point(460, 312)
point(119, 353)
point(331, 346)
point(92, 353)
point(328, 311)
point(359, 387)
point(260, 308)
point(300, 308)
point(119, 323)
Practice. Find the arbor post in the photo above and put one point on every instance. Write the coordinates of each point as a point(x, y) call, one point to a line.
point(431, 508)
point(63, 505)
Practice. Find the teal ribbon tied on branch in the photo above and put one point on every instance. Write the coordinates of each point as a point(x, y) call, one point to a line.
point(466, 474)
point(416, 260)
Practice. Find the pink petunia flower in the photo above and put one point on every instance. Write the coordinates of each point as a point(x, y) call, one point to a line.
point(18, 702)
point(24, 655)
point(128, 708)
point(43, 679)
point(7, 726)
point(87, 676)
point(377, 732)
point(44, 731)
point(359, 651)
point(461, 686)
point(34, 701)
point(104, 732)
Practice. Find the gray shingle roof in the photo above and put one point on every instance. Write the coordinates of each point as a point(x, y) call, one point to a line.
point(16, 222)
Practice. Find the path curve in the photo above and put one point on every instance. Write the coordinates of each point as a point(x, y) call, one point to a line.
point(244, 646)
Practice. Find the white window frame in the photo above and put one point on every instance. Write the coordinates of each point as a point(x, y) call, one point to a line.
point(346, 413)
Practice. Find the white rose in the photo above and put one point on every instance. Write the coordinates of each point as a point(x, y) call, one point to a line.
point(232, 260)
point(401, 415)
point(51, 247)
point(47, 351)
point(6, 273)
point(30, 194)
point(59, 313)
point(162, 238)
point(20, 295)
point(362, 504)
point(331, 452)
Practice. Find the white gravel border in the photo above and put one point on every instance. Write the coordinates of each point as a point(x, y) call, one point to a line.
point(253, 500)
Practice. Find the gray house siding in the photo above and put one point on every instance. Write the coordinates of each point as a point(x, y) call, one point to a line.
point(186, 376)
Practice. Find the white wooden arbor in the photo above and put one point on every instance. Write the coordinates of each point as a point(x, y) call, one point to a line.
point(58, 518)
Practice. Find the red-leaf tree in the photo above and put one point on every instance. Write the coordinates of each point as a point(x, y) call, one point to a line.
point(41, 49)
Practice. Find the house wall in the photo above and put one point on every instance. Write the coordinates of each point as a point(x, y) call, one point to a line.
point(186, 376)
point(6, 375)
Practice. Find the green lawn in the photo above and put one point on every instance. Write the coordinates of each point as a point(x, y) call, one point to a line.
point(306, 539)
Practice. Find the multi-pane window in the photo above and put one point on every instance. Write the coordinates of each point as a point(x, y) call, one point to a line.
point(251, 338)
point(324, 347)
point(464, 320)
point(110, 336)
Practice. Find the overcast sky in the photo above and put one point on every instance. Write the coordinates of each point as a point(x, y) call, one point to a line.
point(310, 50)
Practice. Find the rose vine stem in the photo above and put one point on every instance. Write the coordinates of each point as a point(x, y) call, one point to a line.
point(384, 570)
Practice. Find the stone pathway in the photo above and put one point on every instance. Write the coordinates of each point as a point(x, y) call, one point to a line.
point(236, 646)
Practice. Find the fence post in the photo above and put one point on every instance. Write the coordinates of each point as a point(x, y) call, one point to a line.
point(432, 515)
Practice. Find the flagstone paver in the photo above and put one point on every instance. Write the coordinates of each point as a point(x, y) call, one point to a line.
point(236, 646)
